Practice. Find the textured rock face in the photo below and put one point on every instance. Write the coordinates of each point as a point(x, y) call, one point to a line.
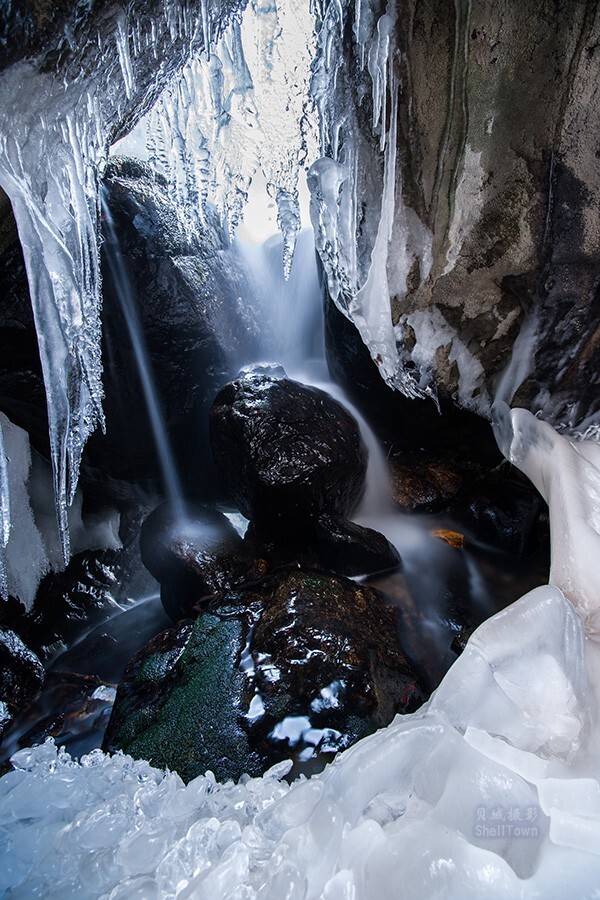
point(497, 193)
point(82, 38)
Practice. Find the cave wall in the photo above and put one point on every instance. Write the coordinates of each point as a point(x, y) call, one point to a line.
point(499, 157)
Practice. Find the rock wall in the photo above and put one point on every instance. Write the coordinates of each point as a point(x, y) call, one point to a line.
point(497, 166)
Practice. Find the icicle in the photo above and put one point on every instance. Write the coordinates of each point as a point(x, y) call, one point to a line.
point(288, 219)
point(205, 27)
point(379, 56)
point(48, 169)
point(332, 215)
point(370, 309)
point(122, 39)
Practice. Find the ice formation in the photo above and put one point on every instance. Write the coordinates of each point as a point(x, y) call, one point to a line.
point(31, 538)
point(492, 788)
point(243, 107)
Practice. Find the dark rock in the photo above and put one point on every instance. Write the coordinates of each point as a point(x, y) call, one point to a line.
point(302, 665)
point(21, 672)
point(180, 699)
point(351, 549)
point(71, 708)
point(423, 484)
point(192, 558)
point(505, 511)
point(286, 453)
point(68, 602)
point(331, 543)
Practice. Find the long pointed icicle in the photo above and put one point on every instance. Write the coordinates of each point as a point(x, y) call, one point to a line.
point(49, 173)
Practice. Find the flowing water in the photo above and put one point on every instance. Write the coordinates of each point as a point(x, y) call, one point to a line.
point(127, 301)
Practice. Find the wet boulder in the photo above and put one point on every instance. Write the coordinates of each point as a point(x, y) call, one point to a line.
point(351, 549)
point(333, 544)
point(299, 666)
point(286, 452)
point(192, 557)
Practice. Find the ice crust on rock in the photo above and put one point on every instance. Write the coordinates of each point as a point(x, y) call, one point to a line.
point(491, 789)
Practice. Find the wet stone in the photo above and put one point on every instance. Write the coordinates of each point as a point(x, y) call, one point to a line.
point(72, 708)
point(352, 549)
point(422, 485)
point(301, 666)
point(192, 557)
point(333, 544)
point(286, 452)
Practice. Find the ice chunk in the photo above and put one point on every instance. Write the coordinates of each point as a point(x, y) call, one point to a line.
point(567, 474)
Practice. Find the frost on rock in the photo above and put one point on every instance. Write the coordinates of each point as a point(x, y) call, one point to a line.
point(491, 789)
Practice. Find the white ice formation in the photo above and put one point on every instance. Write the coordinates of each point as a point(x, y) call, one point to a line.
point(491, 789)
point(30, 544)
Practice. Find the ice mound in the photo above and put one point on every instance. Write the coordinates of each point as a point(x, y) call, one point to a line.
point(491, 789)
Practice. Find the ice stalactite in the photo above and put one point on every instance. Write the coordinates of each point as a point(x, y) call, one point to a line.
point(242, 107)
point(48, 167)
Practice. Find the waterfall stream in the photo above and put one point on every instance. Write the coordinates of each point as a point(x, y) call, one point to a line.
point(127, 301)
